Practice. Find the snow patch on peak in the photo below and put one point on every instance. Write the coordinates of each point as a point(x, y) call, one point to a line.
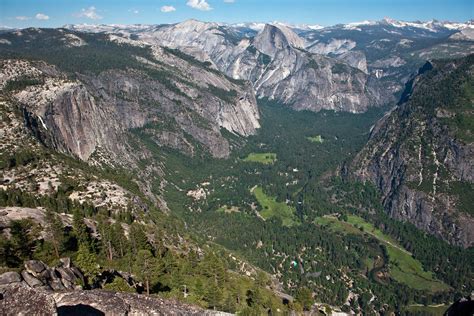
point(124, 40)
point(73, 40)
point(195, 25)
point(355, 25)
point(252, 25)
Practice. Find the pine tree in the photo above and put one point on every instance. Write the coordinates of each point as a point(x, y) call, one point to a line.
point(23, 238)
point(55, 231)
point(87, 262)
point(214, 296)
point(213, 268)
point(118, 239)
point(105, 231)
point(198, 290)
point(80, 229)
point(138, 238)
point(147, 268)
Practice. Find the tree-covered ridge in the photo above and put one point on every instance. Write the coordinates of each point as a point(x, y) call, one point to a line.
point(97, 54)
point(446, 91)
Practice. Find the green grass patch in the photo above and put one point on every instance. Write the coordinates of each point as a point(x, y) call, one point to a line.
point(316, 139)
point(369, 228)
point(435, 310)
point(403, 267)
point(265, 158)
point(273, 209)
point(336, 225)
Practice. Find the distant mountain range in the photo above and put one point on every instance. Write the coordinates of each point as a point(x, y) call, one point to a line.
point(433, 25)
point(280, 59)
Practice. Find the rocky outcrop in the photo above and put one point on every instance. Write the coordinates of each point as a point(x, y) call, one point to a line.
point(355, 59)
point(313, 82)
point(20, 299)
point(466, 34)
point(111, 303)
point(36, 274)
point(41, 290)
point(421, 158)
point(9, 278)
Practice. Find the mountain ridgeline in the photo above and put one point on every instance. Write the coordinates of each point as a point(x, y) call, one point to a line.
point(276, 63)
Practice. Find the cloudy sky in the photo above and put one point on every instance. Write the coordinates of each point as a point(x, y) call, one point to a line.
point(53, 13)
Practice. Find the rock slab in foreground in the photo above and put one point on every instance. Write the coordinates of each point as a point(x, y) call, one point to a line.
point(20, 299)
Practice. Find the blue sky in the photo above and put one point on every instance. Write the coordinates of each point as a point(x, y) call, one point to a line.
point(53, 13)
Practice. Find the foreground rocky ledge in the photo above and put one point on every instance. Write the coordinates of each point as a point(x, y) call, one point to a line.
point(43, 290)
point(20, 299)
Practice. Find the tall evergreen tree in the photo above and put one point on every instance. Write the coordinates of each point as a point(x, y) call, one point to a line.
point(55, 231)
point(80, 229)
point(87, 262)
point(147, 268)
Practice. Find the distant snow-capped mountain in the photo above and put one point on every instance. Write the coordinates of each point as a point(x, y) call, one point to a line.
point(107, 28)
point(432, 25)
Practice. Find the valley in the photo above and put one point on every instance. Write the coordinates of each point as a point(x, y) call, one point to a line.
point(275, 223)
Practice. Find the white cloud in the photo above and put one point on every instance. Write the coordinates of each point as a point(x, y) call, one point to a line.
point(167, 8)
point(134, 11)
point(199, 5)
point(41, 16)
point(89, 13)
point(22, 18)
point(229, 1)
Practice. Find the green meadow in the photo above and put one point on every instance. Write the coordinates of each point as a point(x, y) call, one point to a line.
point(264, 158)
point(403, 267)
point(273, 209)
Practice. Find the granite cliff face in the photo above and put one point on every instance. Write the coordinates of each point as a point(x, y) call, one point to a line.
point(420, 155)
point(87, 114)
point(309, 81)
point(276, 63)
